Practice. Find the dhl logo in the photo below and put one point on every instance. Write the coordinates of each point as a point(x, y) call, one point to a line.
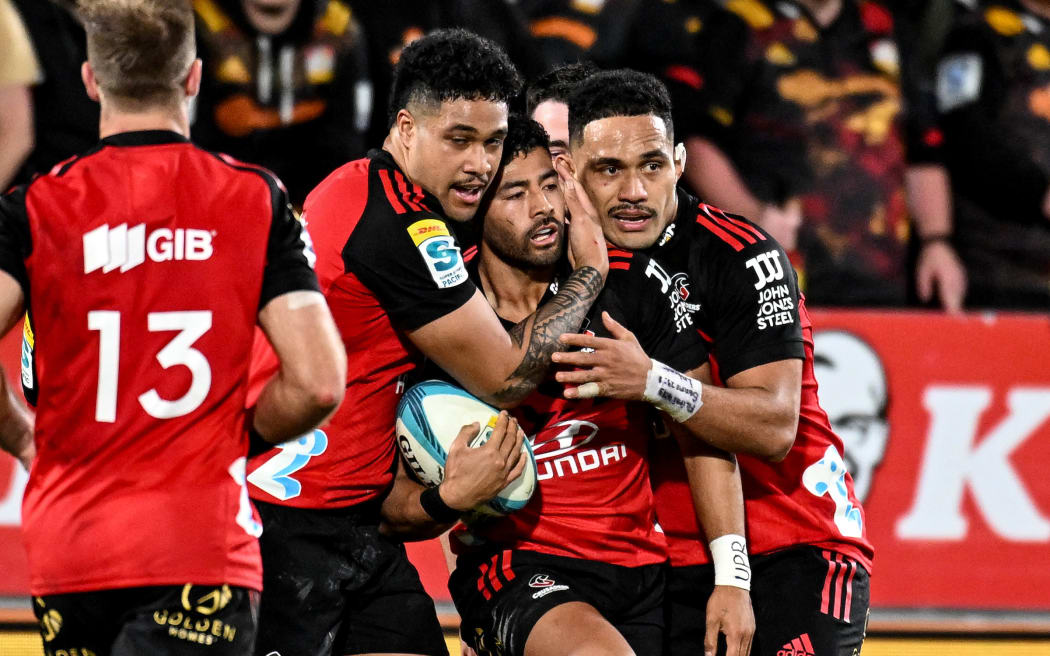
point(421, 231)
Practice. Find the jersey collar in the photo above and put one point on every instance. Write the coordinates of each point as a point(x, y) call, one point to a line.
point(144, 138)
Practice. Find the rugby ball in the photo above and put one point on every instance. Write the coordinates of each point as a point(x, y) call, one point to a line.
point(429, 417)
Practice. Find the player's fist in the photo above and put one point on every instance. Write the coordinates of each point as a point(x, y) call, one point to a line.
point(476, 475)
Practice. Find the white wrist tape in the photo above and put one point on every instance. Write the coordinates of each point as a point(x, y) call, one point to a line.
point(673, 392)
point(731, 564)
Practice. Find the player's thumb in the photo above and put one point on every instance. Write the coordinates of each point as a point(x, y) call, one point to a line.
point(615, 328)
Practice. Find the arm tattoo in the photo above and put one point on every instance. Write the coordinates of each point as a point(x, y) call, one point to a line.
point(562, 314)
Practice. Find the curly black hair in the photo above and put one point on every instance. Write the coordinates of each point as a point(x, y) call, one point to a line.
point(557, 84)
point(621, 92)
point(449, 65)
point(523, 136)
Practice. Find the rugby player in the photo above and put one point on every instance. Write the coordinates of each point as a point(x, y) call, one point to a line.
point(712, 473)
point(547, 102)
point(146, 263)
point(758, 397)
point(390, 264)
point(580, 568)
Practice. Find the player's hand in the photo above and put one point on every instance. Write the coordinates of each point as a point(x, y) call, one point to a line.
point(586, 241)
point(466, 650)
point(940, 268)
point(475, 475)
point(729, 613)
point(618, 366)
point(782, 222)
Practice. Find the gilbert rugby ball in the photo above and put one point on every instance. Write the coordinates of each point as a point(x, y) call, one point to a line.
point(429, 417)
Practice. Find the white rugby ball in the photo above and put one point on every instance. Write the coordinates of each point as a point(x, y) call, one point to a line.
point(429, 417)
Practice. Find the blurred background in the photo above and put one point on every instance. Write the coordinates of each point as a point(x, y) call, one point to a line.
point(900, 151)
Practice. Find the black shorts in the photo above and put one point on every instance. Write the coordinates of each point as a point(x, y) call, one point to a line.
point(807, 601)
point(501, 596)
point(176, 620)
point(333, 585)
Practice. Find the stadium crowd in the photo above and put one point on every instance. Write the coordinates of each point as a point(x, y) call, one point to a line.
point(900, 151)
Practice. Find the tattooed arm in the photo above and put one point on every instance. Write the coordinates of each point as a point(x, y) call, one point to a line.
point(501, 368)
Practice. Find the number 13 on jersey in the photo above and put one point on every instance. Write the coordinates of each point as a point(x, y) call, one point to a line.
point(178, 351)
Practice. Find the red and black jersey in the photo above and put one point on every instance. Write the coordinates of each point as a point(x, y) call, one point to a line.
point(747, 306)
point(594, 499)
point(388, 262)
point(145, 264)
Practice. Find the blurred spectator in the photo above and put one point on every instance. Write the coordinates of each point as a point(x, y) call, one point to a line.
point(391, 25)
point(802, 130)
point(65, 120)
point(993, 88)
point(18, 71)
point(573, 30)
point(285, 86)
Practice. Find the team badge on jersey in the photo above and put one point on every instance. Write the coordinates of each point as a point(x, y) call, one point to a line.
point(439, 251)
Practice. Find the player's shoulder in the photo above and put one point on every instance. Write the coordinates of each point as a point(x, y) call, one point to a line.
point(722, 235)
point(252, 172)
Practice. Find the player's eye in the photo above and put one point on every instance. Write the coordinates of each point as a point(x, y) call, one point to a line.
point(515, 196)
point(610, 170)
point(495, 142)
point(550, 186)
point(459, 141)
point(653, 167)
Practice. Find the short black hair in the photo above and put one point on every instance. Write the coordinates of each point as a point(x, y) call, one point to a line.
point(557, 84)
point(621, 92)
point(449, 65)
point(523, 136)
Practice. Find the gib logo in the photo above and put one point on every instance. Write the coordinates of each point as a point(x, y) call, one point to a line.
point(124, 248)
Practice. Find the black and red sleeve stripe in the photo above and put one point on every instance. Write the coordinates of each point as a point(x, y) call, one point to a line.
point(731, 229)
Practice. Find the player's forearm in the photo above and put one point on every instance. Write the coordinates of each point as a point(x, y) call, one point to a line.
point(713, 175)
point(754, 421)
point(287, 409)
point(402, 514)
point(714, 482)
point(16, 425)
point(537, 336)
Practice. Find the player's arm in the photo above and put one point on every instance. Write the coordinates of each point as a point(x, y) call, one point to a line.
point(311, 376)
point(503, 367)
point(718, 497)
point(756, 413)
point(16, 422)
point(473, 476)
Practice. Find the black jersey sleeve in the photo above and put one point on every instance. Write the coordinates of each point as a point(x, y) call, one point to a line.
point(752, 294)
point(413, 264)
point(653, 308)
point(15, 241)
point(289, 254)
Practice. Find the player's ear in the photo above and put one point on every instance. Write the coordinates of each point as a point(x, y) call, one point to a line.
point(405, 124)
point(87, 76)
point(679, 160)
point(192, 84)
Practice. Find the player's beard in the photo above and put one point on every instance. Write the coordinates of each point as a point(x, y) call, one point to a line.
point(519, 252)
